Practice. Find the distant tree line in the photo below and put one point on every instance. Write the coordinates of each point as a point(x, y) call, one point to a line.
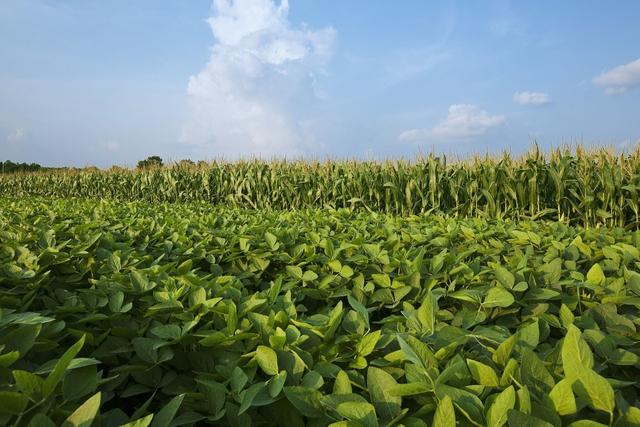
point(10, 167)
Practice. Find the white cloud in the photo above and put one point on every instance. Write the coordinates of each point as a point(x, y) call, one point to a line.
point(620, 78)
point(17, 136)
point(110, 146)
point(251, 96)
point(531, 98)
point(464, 122)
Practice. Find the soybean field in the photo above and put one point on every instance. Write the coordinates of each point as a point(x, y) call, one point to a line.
point(495, 292)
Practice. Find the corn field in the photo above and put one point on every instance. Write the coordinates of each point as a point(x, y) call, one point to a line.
point(582, 187)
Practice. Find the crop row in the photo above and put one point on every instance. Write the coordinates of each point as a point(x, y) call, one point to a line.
point(586, 188)
point(157, 314)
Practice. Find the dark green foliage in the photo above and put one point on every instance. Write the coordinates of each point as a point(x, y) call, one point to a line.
point(164, 315)
point(150, 162)
point(10, 167)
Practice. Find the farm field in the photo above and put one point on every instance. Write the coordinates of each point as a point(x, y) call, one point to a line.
point(144, 312)
point(596, 187)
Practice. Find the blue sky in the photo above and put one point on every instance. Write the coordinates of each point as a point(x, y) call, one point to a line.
point(89, 82)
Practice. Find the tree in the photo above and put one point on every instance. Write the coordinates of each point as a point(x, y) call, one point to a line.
point(150, 162)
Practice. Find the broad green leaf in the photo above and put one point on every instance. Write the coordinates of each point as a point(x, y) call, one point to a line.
point(41, 420)
point(498, 297)
point(410, 389)
point(360, 309)
point(362, 412)
point(276, 383)
point(445, 415)
point(28, 383)
point(483, 374)
point(595, 390)
point(502, 354)
point(306, 400)
point(534, 374)
point(595, 275)
point(12, 403)
point(85, 414)
point(520, 419)
point(505, 277)
point(499, 409)
point(342, 384)
point(466, 402)
point(267, 360)
point(294, 271)
point(563, 399)
point(576, 354)
point(367, 343)
point(58, 372)
point(168, 412)
point(379, 382)
point(141, 422)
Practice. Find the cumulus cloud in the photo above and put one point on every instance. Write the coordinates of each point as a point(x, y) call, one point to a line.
point(16, 136)
point(619, 79)
point(531, 98)
point(251, 97)
point(464, 122)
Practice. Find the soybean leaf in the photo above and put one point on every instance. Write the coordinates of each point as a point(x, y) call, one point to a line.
point(59, 369)
point(85, 414)
point(445, 415)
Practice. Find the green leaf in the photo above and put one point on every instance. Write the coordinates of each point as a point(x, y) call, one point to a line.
point(313, 380)
point(294, 271)
point(427, 313)
point(379, 382)
point(309, 276)
point(367, 343)
point(362, 412)
point(591, 423)
point(267, 360)
point(563, 399)
point(445, 415)
point(595, 275)
point(8, 359)
point(520, 419)
point(342, 385)
point(141, 422)
point(276, 383)
point(576, 354)
point(79, 382)
point(503, 352)
point(505, 277)
point(60, 368)
point(534, 374)
point(28, 383)
point(498, 297)
point(85, 414)
point(41, 420)
point(140, 282)
point(483, 374)
point(360, 309)
point(306, 400)
point(168, 412)
point(498, 411)
point(410, 389)
point(466, 402)
point(382, 280)
point(566, 316)
point(596, 390)
point(12, 403)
